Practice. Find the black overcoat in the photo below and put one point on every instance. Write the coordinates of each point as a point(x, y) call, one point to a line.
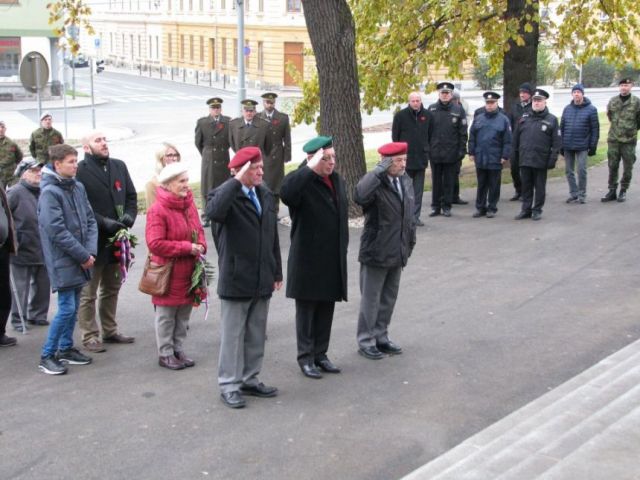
point(317, 268)
point(412, 127)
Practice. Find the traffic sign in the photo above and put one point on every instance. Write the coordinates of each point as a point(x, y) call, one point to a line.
point(34, 72)
point(96, 42)
point(247, 51)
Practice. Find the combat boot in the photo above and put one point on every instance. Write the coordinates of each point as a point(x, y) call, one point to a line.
point(623, 195)
point(610, 196)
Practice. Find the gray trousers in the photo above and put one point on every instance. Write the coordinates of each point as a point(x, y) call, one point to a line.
point(242, 337)
point(171, 328)
point(34, 292)
point(379, 291)
point(578, 190)
point(106, 277)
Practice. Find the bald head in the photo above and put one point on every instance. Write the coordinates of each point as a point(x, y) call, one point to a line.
point(415, 100)
point(95, 143)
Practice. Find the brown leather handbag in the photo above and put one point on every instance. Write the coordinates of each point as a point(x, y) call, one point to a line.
point(155, 278)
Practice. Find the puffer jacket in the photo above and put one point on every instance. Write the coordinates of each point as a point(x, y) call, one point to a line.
point(171, 223)
point(490, 140)
point(580, 126)
point(68, 230)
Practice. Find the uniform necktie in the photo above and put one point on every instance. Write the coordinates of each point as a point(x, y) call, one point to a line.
point(248, 124)
point(396, 184)
point(256, 203)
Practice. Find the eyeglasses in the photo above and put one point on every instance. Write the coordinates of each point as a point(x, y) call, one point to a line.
point(172, 155)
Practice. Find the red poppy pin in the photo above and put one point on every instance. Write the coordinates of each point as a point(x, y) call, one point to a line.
point(13, 149)
point(220, 126)
point(422, 118)
point(117, 185)
point(275, 122)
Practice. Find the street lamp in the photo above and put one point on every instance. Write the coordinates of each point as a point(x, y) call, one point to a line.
point(241, 88)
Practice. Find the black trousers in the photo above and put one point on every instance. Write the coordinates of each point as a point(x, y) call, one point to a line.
point(488, 189)
point(515, 175)
point(534, 187)
point(443, 175)
point(5, 292)
point(417, 176)
point(313, 329)
point(456, 180)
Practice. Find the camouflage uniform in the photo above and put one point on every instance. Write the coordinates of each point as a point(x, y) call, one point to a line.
point(622, 139)
point(40, 141)
point(10, 156)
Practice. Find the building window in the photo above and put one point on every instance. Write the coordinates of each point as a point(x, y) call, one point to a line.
point(246, 57)
point(169, 5)
point(260, 56)
point(122, 45)
point(223, 5)
point(190, 5)
point(110, 42)
point(181, 5)
point(260, 6)
point(191, 48)
point(181, 47)
point(170, 45)
point(150, 47)
point(294, 5)
point(131, 51)
point(223, 53)
point(139, 46)
point(235, 52)
point(157, 47)
point(10, 56)
point(201, 49)
point(201, 5)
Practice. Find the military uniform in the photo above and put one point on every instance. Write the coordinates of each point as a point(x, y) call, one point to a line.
point(10, 157)
point(212, 141)
point(279, 133)
point(253, 135)
point(624, 115)
point(40, 141)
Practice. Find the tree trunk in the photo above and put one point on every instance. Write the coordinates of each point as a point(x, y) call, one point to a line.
point(332, 33)
point(520, 63)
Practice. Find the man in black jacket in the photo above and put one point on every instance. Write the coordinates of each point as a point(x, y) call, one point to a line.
point(317, 268)
point(536, 144)
point(114, 201)
point(244, 214)
point(411, 125)
point(389, 235)
point(519, 108)
point(447, 146)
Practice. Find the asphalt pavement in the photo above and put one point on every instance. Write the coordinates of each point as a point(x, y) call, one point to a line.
point(492, 315)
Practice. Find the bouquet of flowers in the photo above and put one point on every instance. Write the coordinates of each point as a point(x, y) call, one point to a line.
point(122, 245)
point(203, 273)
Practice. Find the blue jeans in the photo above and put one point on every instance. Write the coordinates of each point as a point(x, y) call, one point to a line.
point(60, 334)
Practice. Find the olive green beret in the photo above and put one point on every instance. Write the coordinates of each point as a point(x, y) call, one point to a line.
point(315, 144)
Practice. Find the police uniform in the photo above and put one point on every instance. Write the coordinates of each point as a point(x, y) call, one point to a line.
point(212, 141)
point(249, 134)
point(280, 143)
point(10, 157)
point(536, 144)
point(447, 145)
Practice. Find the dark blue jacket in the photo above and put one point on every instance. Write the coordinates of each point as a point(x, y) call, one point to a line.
point(580, 126)
point(68, 230)
point(490, 140)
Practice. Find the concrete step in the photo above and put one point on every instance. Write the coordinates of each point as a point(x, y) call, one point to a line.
point(555, 424)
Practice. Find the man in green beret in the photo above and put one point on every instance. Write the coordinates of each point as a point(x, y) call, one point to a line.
point(249, 130)
point(44, 137)
point(212, 141)
point(280, 142)
point(10, 157)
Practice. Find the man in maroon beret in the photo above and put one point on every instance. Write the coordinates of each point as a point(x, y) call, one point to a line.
point(386, 196)
point(243, 212)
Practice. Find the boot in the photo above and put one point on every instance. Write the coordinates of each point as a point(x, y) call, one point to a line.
point(623, 195)
point(610, 196)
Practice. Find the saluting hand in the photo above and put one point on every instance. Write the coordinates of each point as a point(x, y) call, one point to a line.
point(383, 165)
point(240, 174)
point(315, 160)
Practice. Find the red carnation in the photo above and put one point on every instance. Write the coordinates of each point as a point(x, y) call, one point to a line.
point(422, 118)
point(118, 185)
point(117, 254)
point(117, 243)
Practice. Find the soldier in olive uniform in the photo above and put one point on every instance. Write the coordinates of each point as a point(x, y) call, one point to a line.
point(212, 141)
point(623, 112)
point(280, 140)
point(249, 131)
point(44, 137)
point(10, 157)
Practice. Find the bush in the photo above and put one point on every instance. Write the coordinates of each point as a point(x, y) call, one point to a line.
point(629, 71)
point(597, 73)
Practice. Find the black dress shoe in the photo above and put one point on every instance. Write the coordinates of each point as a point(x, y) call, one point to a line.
point(41, 322)
point(522, 215)
point(419, 223)
point(515, 197)
point(310, 371)
point(372, 353)
point(491, 214)
point(479, 213)
point(434, 212)
point(326, 365)
point(459, 201)
point(446, 212)
point(259, 390)
point(389, 348)
point(233, 399)
point(536, 216)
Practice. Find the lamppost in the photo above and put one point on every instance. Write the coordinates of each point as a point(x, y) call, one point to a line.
point(241, 88)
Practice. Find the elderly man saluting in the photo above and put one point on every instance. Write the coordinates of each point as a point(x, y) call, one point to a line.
point(250, 270)
point(386, 196)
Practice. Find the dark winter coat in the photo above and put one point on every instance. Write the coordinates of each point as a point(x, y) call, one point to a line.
point(317, 268)
point(389, 228)
point(279, 149)
point(68, 230)
point(447, 133)
point(248, 246)
point(490, 140)
point(171, 222)
point(23, 202)
point(580, 126)
point(106, 190)
point(212, 141)
point(537, 140)
point(8, 237)
point(516, 112)
point(412, 127)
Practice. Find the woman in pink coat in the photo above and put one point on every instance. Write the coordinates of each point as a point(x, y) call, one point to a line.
point(174, 232)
